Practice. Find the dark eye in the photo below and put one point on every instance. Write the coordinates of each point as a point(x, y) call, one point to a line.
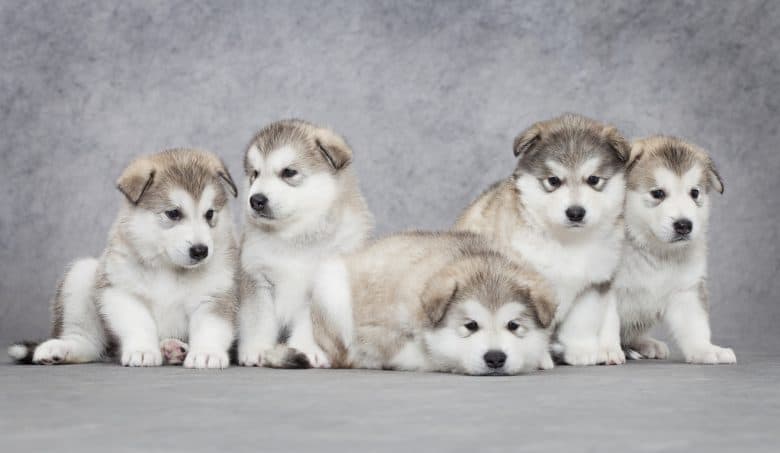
point(254, 175)
point(472, 326)
point(512, 326)
point(209, 214)
point(554, 181)
point(658, 194)
point(173, 214)
point(593, 180)
point(289, 173)
point(694, 193)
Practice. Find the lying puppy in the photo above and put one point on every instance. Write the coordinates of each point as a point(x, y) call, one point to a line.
point(664, 270)
point(430, 302)
point(561, 211)
point(168, 272)
point(304, 206)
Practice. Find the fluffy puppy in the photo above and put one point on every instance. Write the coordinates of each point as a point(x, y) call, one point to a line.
point(303, 206)
point(430, 302)
point(168, 272)
point(664, 270)
point(561, 211)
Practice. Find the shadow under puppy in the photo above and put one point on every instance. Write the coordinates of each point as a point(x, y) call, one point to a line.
point(663, 275)
point(429, 302)
point(168, 272)
point(303, 206)
point(561, 212)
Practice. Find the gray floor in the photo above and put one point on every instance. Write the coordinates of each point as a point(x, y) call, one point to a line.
point(643, 406)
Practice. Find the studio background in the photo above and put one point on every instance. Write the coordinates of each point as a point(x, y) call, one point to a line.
point(430, 96)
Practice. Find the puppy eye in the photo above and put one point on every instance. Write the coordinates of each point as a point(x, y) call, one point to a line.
point(695, 193)
point(472, 326)
point(289, 173)
point(554, 181)
point(658, 194)
point(593, 180)
point(173, 214)
point(254, 175)
point(209, 214)
point(512, 326)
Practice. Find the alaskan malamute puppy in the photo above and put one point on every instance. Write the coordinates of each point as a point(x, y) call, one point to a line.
point(430, 302)
point(303, 205)
point(168, 272)
point(664, 270)
point(561, 211)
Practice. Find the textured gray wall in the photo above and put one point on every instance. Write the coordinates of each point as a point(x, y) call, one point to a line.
point(429, 95)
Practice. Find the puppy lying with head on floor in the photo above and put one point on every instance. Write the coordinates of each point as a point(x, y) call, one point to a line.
point(429, 302)
point(664, 271)
point(168, 273)
point(561, 212)
point(303, 206)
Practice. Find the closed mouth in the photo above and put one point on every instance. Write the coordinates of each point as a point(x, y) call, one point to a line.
point(262, 215)
point(680, 238)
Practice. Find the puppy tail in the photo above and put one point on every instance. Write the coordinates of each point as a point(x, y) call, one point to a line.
point(283, 356)
point(22, 352)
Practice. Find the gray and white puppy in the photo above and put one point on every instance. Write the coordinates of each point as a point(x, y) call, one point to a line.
point(168, 272)
point(561, 211)
point(663, 275)
point(303, 206)
point(430, 302)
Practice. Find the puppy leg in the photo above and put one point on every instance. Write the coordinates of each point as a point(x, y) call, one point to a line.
point(132, 322)
point(210, 339)
point(302, 339)
point(689, 323)
point(579, 333)
point(610, 352)
point(258, 327)
point(648, 347)
point(81, 337)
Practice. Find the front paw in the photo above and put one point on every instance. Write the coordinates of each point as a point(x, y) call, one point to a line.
point(206, 359)
point(611, 355)
point(174, 351)
point(546, 362)
point(650, 348)
point(711, 355)
point(51, 352)
point(251, 355)
point(581, 353)
point(141, 356)
point(316, 356)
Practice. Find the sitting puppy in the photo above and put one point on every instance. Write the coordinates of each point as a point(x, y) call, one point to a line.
point(664, 270)
point(304, 206)
point(430, 302)
point(561, 211)
point(168, 272)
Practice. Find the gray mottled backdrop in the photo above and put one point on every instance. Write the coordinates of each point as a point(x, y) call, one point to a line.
point(430, 95)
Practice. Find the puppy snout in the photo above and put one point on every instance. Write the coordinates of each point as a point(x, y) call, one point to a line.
point(683, 226)
point(575, 213)
point(258, 202)
point(495, 358)
point(199, 252)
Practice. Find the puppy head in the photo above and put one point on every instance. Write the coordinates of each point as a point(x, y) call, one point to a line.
point(177, 206)
point(487, 316)
point(292, 172)
point(669, 184)
point(570, 173)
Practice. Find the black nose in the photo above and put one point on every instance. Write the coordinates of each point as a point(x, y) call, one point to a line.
point(575, 213)
point(495, 358)
point(258, 201)
point(198, 252)
point(683, 226)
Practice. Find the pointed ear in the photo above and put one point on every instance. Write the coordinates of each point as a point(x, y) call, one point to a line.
point(714, 177)
point(334, 148)
point(637, 148)
point(224, 174)
point(527, 140)
point(437, 296)
point(618, 143)
point(544, 302)
point(136, 179)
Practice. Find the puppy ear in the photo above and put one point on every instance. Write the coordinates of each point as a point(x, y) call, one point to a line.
point(437, 296)
point(637, 148)
point(618, 143)
point(714, 177)
point(527, 140)
point(136, 179)
point(544, 303)
point(224, 174)
point(333, 148)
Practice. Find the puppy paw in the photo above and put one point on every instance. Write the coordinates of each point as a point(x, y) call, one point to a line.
point(174, 351)
point(611, 355)
point(251, 355)
point(141, 356)
point(650, 348)
point(316, 356)
point(711, 355)
point(581, 354)
point(207, 359)
point(546, 362)
point(51, 352)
